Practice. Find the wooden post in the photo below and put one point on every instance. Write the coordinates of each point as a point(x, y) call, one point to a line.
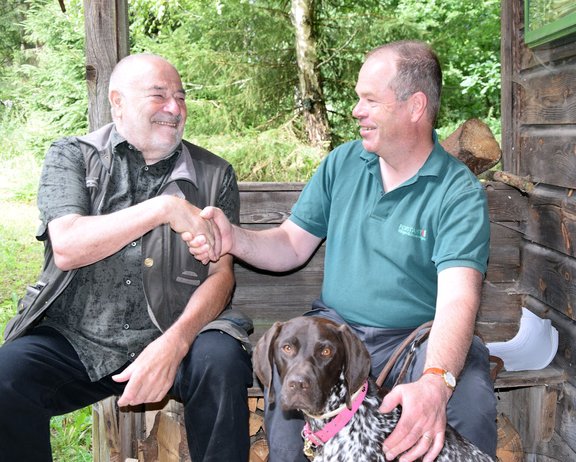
point(106, 29)
point(106, 24)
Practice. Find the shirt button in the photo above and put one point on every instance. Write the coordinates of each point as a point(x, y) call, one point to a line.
point(128, 282)
point(146, 168)
point(126, 326)
point(149, 262)
point(132, 355)
point(134, 244)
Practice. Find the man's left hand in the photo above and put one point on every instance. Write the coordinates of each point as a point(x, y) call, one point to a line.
point(420, 430)
point(151, 375)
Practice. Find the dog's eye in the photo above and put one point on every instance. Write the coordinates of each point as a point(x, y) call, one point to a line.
point(287, 348)
point(326, 351)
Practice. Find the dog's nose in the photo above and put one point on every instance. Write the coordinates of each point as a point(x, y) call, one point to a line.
point(298, 383)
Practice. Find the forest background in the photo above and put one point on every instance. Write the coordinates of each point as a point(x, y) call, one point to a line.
point(239, 66)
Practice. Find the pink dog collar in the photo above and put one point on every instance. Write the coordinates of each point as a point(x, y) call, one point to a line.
point(329, 430)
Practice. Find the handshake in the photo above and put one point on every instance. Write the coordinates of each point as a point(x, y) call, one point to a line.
point(211, 236)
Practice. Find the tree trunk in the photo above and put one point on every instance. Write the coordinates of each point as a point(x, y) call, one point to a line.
point(106, 23)
point(310, 92)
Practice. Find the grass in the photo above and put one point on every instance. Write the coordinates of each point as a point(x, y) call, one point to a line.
point(274, 155)
point(72, 436)
point(20, 253)
point(21, 262)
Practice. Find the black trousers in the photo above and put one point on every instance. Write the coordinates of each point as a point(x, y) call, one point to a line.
point(41, 376)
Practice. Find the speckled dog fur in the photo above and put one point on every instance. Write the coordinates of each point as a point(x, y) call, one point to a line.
point(321, 364)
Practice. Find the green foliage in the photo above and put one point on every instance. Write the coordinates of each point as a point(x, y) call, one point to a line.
point(43, 92)
point(72, 436)
point(465, 34)
point(12, 12)
point(237, 61)
point(273, 155)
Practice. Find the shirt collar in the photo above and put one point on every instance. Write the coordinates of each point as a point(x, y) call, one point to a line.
point(433, 166)
point(183, 168)
point(116, 138)
point(436, 161)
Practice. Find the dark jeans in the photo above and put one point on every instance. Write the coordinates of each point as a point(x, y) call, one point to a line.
point(41, 376)
point(471, 410)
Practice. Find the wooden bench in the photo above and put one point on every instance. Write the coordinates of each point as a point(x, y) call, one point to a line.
point(155, 432)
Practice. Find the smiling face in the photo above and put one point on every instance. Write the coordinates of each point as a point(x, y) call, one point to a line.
point(148, 105)
point(383, 119)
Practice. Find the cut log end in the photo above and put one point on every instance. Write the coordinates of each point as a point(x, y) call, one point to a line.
point(474, 144)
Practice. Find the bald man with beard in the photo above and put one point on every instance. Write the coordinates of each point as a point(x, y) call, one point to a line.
point(121, 307)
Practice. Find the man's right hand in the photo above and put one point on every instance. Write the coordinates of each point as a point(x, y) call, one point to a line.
point(198, 232)
point(211, 248)
point(279, 248)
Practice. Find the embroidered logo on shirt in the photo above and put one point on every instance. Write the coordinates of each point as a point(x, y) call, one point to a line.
point(419, 233)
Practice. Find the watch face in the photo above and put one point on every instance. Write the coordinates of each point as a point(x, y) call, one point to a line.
point(450, 380)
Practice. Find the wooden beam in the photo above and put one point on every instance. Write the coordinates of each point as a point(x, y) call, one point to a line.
point(106, 25)
point(548, 276)
point(106, 32)
point(548, 377)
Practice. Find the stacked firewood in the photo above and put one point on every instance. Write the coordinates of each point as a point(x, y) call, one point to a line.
point(166, 441)
point(258, 444)
point(474, 144)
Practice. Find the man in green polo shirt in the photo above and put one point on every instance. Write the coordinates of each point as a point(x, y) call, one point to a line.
point(407, 237)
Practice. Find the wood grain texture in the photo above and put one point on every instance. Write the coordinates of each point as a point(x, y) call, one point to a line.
point(552, 222)
point(549, 155)
point(548, 95)
point(106, 26)
point(548, 276)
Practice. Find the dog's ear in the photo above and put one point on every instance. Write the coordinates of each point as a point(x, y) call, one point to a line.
point(357, 365)
point(263, 358)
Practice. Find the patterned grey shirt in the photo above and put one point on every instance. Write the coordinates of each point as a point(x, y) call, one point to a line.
point(103, 312)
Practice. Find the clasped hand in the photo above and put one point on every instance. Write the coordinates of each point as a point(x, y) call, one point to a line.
point(215, 239)
point(198, 230)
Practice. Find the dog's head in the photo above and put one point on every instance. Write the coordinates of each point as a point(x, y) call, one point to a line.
point(311, 355)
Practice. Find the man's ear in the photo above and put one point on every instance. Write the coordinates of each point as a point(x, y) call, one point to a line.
point(418, 104)
point(115, 98)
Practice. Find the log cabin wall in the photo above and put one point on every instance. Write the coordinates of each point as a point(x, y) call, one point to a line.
point(539, 143)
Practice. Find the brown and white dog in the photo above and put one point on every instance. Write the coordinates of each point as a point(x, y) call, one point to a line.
point(324, 370)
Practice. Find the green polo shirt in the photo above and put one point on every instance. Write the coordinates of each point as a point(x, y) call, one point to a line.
point(384, 250)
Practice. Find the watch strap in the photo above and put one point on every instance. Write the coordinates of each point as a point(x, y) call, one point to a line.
point(449, 379)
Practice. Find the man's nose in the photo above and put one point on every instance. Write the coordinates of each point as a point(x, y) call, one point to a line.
point(358, 110)
point(172, 106)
